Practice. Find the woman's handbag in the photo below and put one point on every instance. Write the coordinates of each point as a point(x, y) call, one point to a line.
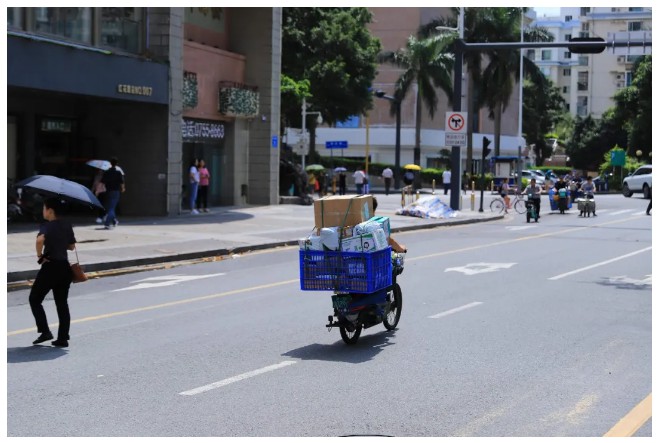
point(78, 273)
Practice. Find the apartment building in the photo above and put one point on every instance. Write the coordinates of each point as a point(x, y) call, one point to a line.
point(589, 81)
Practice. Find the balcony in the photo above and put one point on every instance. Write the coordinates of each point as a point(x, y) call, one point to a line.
point(583, 86)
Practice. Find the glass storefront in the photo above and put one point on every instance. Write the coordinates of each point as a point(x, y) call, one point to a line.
point(72, 23)
point(117, 28)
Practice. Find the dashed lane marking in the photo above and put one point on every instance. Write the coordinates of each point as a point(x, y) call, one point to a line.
point(460, 308)
point(596, 265)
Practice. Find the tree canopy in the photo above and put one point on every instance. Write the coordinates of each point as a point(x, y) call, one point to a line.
point(543, 107)
point(334, 50)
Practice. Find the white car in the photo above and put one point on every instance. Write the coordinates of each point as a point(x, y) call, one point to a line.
point(638, 181)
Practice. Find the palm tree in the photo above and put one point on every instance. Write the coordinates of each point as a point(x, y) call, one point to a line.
point(502, 72)
point(483, 26)
point(428, 63)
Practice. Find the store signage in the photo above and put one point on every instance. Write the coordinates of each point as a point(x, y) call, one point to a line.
point(135, 90)
point(195, 130)
point(56, 125)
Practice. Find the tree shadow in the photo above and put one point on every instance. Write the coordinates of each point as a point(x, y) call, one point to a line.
point(34, 353)
point(365, 349)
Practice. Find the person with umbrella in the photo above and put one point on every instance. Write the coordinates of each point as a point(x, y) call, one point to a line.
point(55, 237)
point(114, 185)
point(342, 180)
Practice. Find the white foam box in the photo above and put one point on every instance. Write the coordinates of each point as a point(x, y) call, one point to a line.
point(384, 222)
point(371, 242)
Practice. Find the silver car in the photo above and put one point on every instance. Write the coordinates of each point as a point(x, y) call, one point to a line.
point(638, 181)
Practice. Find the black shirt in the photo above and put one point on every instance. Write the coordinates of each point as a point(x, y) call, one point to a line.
point(59, 234)
point(112, 179)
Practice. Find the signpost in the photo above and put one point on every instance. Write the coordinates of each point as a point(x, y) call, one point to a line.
point(340, 144)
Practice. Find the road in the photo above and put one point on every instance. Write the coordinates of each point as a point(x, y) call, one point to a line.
point(507, 329)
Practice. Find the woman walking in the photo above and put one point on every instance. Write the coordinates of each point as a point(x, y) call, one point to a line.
point(204, 184)
point(55, 237)
point(194, 185)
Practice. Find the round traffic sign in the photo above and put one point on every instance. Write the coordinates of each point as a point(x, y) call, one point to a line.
point(456, 122)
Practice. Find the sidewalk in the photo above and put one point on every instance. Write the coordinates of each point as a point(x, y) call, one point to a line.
point(140, 241)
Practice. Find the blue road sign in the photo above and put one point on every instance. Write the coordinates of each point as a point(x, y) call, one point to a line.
point(336, 144)
point(275, 141)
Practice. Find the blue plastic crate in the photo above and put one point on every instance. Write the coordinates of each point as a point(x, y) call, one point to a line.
point(360, 272)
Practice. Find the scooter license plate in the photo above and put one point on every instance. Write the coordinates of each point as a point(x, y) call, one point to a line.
point(341, 302)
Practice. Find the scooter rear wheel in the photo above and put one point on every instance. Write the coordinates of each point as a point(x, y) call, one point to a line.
point(394, 309)
point(350, 337)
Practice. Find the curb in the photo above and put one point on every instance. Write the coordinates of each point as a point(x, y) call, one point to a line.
point(24, 279)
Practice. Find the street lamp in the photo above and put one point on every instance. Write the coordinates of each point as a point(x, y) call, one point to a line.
point(397, 103)
point(304, 139)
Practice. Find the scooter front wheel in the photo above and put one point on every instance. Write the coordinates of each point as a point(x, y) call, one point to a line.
point(394, 308)
point(350, 337)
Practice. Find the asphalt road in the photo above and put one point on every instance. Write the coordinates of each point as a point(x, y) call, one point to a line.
point(507, 329)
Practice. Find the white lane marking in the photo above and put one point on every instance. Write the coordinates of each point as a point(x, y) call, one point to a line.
point(620, 212)
point(639, 213)
point(520, 228)
point(452, 311)
point(228, 381)
point(596, 265)
point(480, 268)
point(165, 280)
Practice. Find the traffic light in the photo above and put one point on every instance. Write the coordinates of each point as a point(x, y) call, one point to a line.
point(590, 49)
point(485, 147)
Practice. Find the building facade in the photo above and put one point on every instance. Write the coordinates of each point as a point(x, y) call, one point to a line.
point(589, 81)
point(93, 83)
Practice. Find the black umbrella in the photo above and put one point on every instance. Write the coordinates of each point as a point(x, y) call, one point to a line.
point(66, 190)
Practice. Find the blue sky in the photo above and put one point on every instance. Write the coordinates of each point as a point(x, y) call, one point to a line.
point(549, 12)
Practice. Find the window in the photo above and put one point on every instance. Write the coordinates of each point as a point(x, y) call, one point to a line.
point(634, 26)
point(120, 28)
point(584, 27)
point(629, 78)
point(566, 72)
point(14, 18)
point(583, 34)
point(635, 9)
point(567, 37)
point(72, 23)
point(581, 107)
point(568, 18)
point(583, 60)
point(567, 54)
point(567, 107)
point(531, 54)
point(585, 11)
point(546, 54)
point(565, 89)
point(583, 81)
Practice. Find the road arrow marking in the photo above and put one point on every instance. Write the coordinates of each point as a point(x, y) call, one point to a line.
point(452, 311)
point(165, 280)
point(622, 279)
point(228, 381)
point(480, 268)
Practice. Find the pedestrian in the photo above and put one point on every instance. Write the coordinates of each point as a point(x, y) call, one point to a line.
point(204, 184)
point(98, 188)
point(342, 183)
point(588, 189)
point(465, 182)
point(534, 193)
point(359, 178)
point(312, 184)
point(113, 181)
point(504, 193)
point(55, 237)
point(446, 180)
point(319, 186)
point(408, 177)
point(387, 175)
point(194, 184)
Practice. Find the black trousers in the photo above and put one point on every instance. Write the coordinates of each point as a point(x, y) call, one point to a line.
point(387, 184)
point(55, 276)
point(202, 199)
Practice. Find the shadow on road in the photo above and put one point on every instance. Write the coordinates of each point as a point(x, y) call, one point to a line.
point(34, 353)
point(364, 350)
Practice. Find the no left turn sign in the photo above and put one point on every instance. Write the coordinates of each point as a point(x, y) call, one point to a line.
point(456, 122)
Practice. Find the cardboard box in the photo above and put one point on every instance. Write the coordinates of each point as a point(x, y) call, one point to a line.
point(371, 242)
point(342, 210)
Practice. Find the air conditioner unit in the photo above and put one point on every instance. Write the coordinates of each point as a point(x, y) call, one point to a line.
point(621, 59)
point(620, 85)
point(620, 76)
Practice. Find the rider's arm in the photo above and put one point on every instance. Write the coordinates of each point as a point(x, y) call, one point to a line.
point(397, 247)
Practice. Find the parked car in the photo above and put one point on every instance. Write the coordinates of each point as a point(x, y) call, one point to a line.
point(638, 181)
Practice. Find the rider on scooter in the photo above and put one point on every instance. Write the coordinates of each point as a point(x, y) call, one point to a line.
point(534, 193)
